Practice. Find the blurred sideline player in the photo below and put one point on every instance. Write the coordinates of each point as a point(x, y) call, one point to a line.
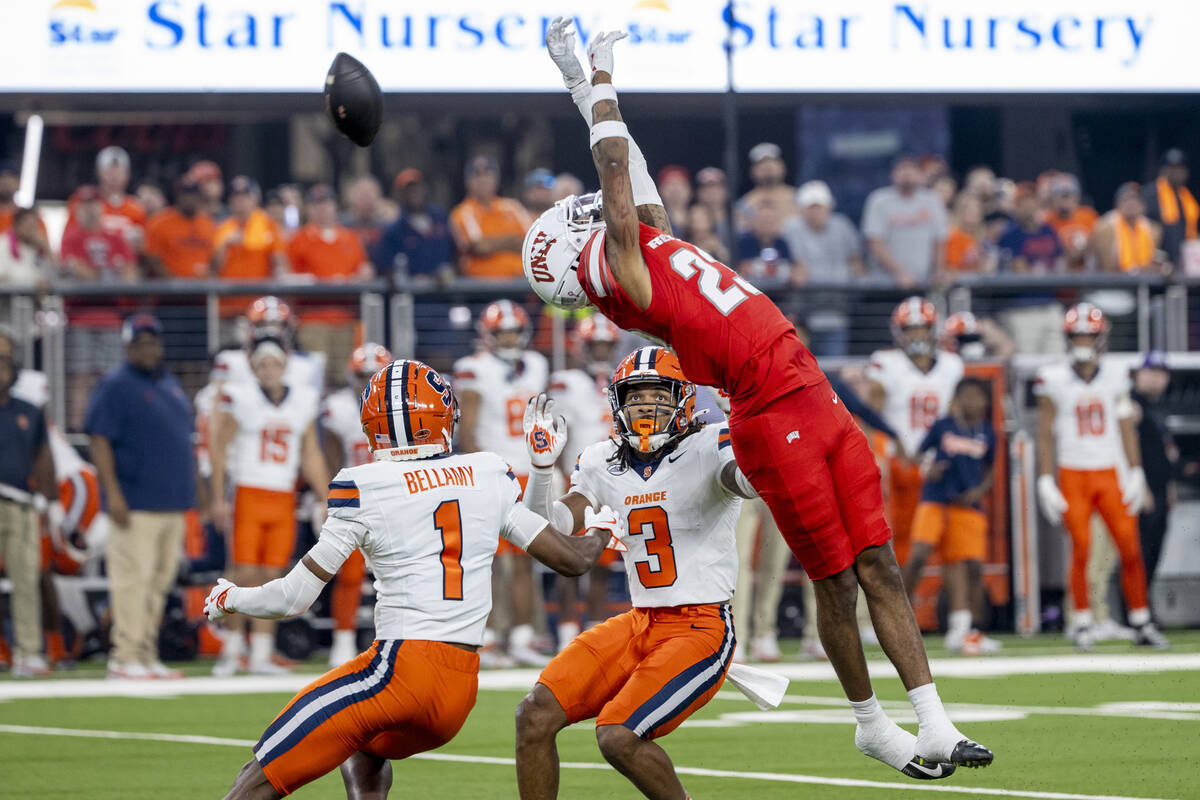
point(493, 385)
point(642, 673)
point(911, 384)
point(346, 445)
point(429, 521)
point(269, 317)
point(949, 516)
point(793, 438)
point(975, 339)
point(265, 434)
point(1086, 418)
point(582, 394)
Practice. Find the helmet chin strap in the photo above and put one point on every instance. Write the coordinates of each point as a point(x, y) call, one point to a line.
point(1083, 353)
point(918, 347)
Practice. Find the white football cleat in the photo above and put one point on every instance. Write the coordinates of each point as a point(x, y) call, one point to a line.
point(976, 644)
point(526, 656)
point(765, 647)
point(1149, 635)
point(30, 667)
point(129, 671)
point(492, 657)
point(267, 667)
point(1084, 638)
point(160, 671)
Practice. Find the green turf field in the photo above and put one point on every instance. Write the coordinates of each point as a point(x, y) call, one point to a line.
point(1134, 734)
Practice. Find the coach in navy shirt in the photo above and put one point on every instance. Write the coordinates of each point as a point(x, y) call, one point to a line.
point(140, 423)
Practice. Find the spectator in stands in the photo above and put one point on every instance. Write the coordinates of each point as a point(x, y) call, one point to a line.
point(331, 253)
point(538, 193)
point(762, 253)
point(712, 192)
point(565, 185)
point(905, 226)
point(1159, 455)
point(25, 467)
point(121, 211)
point(179, 239)
point(968, 248)
point(367, 211)
point(212, 188)
point(249, 245)
point(767, 172)
point(151, 196)
point(702, 233)
point(292, 216)
point(1073, 222)
point(10, 181)
point(140, 423)
point(92, 252)
point(1125, 238)
point(1033, 318)
point(824, 245)
point(418, 244)
point(675, 189)
point(488, 229)
point(1169, 203)
point(981, 182)
point(24, 252)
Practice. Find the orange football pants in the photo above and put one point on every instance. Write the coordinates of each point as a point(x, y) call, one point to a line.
point(1098, 489)
point(398, 698)
point(648, 669)
point(904, 494)
point(957, 532)
point(264, 527)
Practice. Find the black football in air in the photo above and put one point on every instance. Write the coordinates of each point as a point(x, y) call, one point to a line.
point(353, 99)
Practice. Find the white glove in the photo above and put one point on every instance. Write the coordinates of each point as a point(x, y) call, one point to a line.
point(216, 606)
point(606, 520)
point(1133, 493)
point(721, 398)
point(545, 434)
point(600, 51)
point(560, 41)
point(54, 520)
point(1054, 505)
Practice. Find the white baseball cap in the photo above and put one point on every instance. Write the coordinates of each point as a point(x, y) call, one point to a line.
point(814, 193)
point(110, 154)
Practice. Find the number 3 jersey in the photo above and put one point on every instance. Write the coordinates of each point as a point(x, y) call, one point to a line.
point(726, 333)
point(265, 453)
point(679, 516)
point(915, 399)
point(504, 389)
point(429, 528)
point(1086, 433)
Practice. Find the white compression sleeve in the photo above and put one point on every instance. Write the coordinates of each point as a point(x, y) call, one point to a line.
point(645, 191)
point(282, 597)
point(539, 491)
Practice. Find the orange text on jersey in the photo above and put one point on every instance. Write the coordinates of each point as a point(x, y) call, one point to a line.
point(652, 497)
point(422, 480)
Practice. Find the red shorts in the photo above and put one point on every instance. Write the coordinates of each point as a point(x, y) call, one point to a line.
point(648, 669)
point(812, 466)
point(399, 698)
point(959, 533)
point(264, 527)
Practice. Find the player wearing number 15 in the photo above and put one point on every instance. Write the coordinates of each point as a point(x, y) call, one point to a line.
point(266, 431)
point(1086, 415)
point(428, 520)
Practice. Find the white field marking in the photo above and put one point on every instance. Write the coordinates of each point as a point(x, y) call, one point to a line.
point(524, 679)
point(779, 777)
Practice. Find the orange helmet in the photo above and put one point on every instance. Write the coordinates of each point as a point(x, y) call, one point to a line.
point(1085, 319)
point(596, 328)
point(270, 318)
point(961, 334)
point(408, 411)
point(504, 315)
point(914, 312)
point(368, 358)
point(651, 365)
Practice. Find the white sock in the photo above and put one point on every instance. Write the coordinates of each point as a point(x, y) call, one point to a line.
point(1082, 617)
point(261, 647)
point(1139, 617)
point(233, 644)
point(345, 639)
point(869, 713)
point(960, 624)
point(927, 704)
point(521, 636)
point(566, 632)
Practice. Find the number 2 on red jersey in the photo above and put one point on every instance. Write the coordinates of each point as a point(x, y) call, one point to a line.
point(687, 262)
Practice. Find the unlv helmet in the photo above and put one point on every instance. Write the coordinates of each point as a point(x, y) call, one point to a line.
point(1085, 319)
point(651, 365)
point(961, 334)
point(914, 312)
point(504, 315)
point(408, 411)
point(552, 246)
point(368, 358)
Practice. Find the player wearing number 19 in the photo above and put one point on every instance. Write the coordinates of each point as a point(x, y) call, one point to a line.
point(428, 520)
point(793, 438)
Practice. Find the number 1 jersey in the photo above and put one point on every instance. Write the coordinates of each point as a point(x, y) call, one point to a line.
point(726, 333)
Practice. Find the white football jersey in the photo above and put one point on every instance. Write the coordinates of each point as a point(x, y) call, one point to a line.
point(429, 528)
point(265, 453)
point(680, 518)
point(341, 415)
point(302, 370)
point(582, 399)
point(504, 390)
point(1086, 432)
point(205, 403)
point(915, 399)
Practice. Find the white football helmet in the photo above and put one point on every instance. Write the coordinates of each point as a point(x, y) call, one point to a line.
point(552, 246)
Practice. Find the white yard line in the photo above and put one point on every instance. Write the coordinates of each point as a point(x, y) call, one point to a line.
point(781, 777)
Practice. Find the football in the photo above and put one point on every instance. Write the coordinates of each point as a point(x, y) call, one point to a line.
point(353, 99)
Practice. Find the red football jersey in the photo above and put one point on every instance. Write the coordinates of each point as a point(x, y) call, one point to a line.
point(726, 333)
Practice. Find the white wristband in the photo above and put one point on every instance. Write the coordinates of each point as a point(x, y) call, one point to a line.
point(609, 129)
point(601, 91)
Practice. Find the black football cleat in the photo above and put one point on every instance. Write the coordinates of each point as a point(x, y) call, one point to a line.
point(919, 769)
point(971, 754)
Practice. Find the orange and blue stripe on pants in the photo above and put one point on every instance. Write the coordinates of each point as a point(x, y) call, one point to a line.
point(398, 698)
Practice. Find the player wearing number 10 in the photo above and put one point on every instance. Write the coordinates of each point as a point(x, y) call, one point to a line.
point(428, 521)
point(793, 438)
